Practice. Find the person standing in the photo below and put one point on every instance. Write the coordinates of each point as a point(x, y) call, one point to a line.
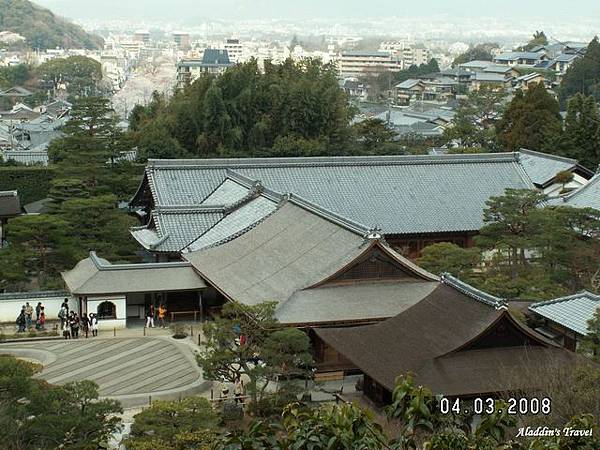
point(65, 304)
point(38, 310)
point(28, 315)
point(85, 324)
point(162, 312)
point(238, 390)
point(21, 321)
point(74, 322)
point(66, 329)
point(63, 316)
point(150, 317)
point(93, 324)
point(42, 320)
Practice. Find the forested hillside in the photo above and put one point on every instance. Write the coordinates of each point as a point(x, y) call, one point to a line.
point(42, 28)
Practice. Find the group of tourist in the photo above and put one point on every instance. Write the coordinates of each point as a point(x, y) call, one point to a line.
point(150, 313)
point(71, 323)
point(25, 318)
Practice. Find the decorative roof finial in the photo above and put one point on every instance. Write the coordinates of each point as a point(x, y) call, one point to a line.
point(374, 234)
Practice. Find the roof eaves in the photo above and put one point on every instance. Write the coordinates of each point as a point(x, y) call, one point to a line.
point(470, 291)
point(567, 298)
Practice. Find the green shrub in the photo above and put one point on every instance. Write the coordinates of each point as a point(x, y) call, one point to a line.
point(32, 182)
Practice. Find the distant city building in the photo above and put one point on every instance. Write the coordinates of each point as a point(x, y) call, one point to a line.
point(182, 40)
point(528, 59)
point(408, 52)
point(214, 61)
point(234, 50)
point(367, 63)
point(142, 36)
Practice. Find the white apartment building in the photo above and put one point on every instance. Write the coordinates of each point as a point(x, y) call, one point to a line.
point(235, 50)
point(358, 63)
point(409, 52)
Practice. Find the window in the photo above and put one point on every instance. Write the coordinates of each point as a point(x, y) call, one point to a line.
point(107, 310)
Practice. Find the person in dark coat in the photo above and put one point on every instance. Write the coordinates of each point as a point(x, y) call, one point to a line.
point(22, 321)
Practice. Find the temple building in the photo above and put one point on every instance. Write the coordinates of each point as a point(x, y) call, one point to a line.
point(320, 268)
point(457, 341)
point(414, 200)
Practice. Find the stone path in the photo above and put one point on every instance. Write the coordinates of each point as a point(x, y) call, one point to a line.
point(128, 369)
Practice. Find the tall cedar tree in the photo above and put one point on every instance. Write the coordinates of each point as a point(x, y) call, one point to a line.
point(581, 139)
point(532, 120)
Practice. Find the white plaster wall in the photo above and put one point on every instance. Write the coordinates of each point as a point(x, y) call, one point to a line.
point(121, 307)
point(10, 308)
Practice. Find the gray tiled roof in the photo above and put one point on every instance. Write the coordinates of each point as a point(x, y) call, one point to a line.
point(541, 167)
point(399, 194)
point(235, 223)
point(587, 196)
point(295, 248)
point(375, 300)
point(290, 250)
point(95, 275)
point(572, 312)
point(175, 228)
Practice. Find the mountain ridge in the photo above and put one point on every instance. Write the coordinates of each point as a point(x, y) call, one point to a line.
point(42, 28)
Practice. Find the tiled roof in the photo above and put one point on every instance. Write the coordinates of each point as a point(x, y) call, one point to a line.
point(95, 275)
point(572, 312)
point(175, 228)
point(408, 84)
point(347, 302)
point(28, 157)
point(299, 247)
point(542, 167)
point(587, 196)
point(399, 194)
point(511, 56)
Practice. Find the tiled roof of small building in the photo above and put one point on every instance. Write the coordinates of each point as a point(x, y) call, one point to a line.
point(587, 196)
point(572, 312)
point(542, 167)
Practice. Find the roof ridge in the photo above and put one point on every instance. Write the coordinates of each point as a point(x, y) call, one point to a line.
point(548, 156)
point(232, 163)
point(101, 266)
point(473, 292)
point(566, 298)
point(591, 182)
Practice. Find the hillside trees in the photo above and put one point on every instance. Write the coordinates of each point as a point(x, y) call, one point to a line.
point(473, 125)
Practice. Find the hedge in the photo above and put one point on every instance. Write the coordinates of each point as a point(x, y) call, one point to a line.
point(32, 182)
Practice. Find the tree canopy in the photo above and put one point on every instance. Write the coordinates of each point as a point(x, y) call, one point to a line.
point(245, 112)
point(37, 415)
point(583, 76)
point(532, 120)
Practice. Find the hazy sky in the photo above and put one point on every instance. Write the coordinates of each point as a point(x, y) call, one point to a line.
point(301, 9)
